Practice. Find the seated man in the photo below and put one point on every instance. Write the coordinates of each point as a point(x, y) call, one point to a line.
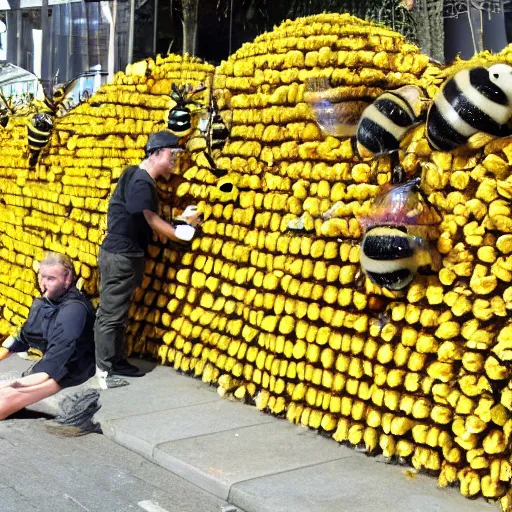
point(60, 325)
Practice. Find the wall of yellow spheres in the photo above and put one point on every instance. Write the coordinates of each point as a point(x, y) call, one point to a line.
point(285, 319)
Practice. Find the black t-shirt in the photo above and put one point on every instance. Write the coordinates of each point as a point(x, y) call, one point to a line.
point(127, 229)
point(63, 330)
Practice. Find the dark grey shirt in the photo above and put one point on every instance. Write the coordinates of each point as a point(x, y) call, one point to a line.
point(127, 230)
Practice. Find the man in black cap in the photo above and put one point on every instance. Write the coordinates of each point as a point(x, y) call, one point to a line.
point(131, 219)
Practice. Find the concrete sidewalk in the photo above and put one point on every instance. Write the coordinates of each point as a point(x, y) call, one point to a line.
point(257, 462)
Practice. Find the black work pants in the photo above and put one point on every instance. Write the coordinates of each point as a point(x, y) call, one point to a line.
point(119, 277)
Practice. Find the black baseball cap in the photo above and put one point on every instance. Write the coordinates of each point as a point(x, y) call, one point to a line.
point(163, 139)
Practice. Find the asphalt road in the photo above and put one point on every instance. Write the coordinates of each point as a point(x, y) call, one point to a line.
point(43, 472)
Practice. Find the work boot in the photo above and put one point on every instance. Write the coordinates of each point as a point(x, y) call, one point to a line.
point(126, 369)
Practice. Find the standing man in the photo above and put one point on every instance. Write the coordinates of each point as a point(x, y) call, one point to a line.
point(131, 219)
point(60, 326)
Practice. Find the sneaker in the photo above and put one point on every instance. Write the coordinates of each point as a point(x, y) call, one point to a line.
point(126, 369)
point(106, 381)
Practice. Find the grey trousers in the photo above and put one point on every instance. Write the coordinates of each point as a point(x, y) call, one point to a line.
point(119, 277)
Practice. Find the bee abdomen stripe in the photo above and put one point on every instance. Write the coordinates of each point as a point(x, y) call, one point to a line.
point(34, 132)
point(218, 143)
point(393, 280)
point(37, 143)
point(479, 79)
point(486, 117)
point(468, 111)
point(440, 133)
point(452, 117)
point(395, 109)
point(375, 137)
point(387, 247)
point(220, 130)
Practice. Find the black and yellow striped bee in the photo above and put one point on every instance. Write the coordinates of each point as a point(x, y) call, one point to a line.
point(60, 104)
point(384, 123)
point(376, 127)
point(395, 244)
point(179, 120)
point(41, 123)
point(39, 131)
point(473, 100)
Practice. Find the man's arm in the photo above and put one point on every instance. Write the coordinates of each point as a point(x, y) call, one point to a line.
point(161, 227)
point(29, 380)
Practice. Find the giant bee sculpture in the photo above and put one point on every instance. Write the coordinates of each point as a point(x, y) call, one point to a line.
point(395, 243)
point(471, 101)
point(40, 123)
point(179, 120)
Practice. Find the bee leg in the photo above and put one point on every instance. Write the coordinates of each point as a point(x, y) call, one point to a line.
point(360, 281)
point(355, 149)
point(33, 159)
point(398, 175)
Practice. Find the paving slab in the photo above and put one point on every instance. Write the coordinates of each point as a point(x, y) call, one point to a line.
point(160, 389)
point(255, 461)
point(216, 462)
point(351, 484)
point(144, 432)
point(13, 366)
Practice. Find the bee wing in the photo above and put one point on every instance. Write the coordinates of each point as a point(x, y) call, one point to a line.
point(428, 215)
point(413, 96)
point(175, 96)
point(334, 117)
point(401, 205)
point(424, 241)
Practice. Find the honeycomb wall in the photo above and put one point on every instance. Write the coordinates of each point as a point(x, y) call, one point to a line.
point(285, 319)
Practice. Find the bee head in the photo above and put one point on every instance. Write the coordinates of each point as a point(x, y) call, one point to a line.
point(42, 122)
point(501, 75)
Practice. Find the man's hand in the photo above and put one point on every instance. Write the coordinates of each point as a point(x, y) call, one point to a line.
point(191, 216)
point(181, 233)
